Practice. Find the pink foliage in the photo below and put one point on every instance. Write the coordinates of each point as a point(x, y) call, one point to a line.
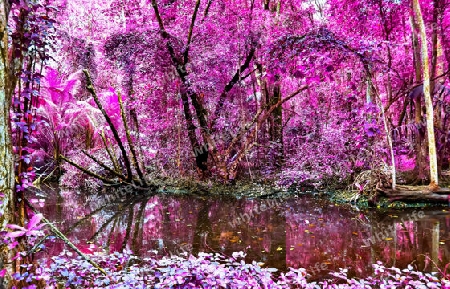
point(334, 129)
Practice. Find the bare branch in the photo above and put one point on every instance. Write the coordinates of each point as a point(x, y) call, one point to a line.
point(90, 88)
point(191, 28)
point(111, 156)
point(88, 172)
point(205, 14)
point(230, 85)
point(158, 17)
point(130, 142)
point(100, 163)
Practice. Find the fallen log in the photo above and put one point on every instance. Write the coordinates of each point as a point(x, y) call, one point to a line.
point(62, 237)
point(416, 194)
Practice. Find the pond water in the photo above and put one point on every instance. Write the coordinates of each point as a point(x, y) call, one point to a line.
point(302, 231)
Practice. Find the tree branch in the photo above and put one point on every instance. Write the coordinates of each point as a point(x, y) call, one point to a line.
point(230, 85)
point(130, 142)
point(90, 88)
point(191, 28)
point(104, 166)
point(158, 17)
point(111, 156)
point(205, 14)
point(88, 172)
point(178, 65)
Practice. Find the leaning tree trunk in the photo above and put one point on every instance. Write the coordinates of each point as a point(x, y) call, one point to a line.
point(6, 153)
point(426, 93)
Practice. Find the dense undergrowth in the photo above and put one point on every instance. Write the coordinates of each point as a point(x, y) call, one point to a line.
point(208, 270)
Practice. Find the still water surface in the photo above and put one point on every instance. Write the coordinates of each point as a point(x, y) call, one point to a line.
point(298, 232)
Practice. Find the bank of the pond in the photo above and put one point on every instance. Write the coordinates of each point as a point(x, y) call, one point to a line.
point(263, 189)
point(268, 188)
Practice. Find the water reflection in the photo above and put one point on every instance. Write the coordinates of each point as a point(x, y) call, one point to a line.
point(300, 232)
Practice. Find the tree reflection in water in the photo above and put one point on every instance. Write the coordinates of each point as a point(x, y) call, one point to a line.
point(302, 232)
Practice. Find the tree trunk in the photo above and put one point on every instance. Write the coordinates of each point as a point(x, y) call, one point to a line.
point(6, 153)
point(434, 84)
point(276, 127)
point(417, 102)
point(426, 92)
